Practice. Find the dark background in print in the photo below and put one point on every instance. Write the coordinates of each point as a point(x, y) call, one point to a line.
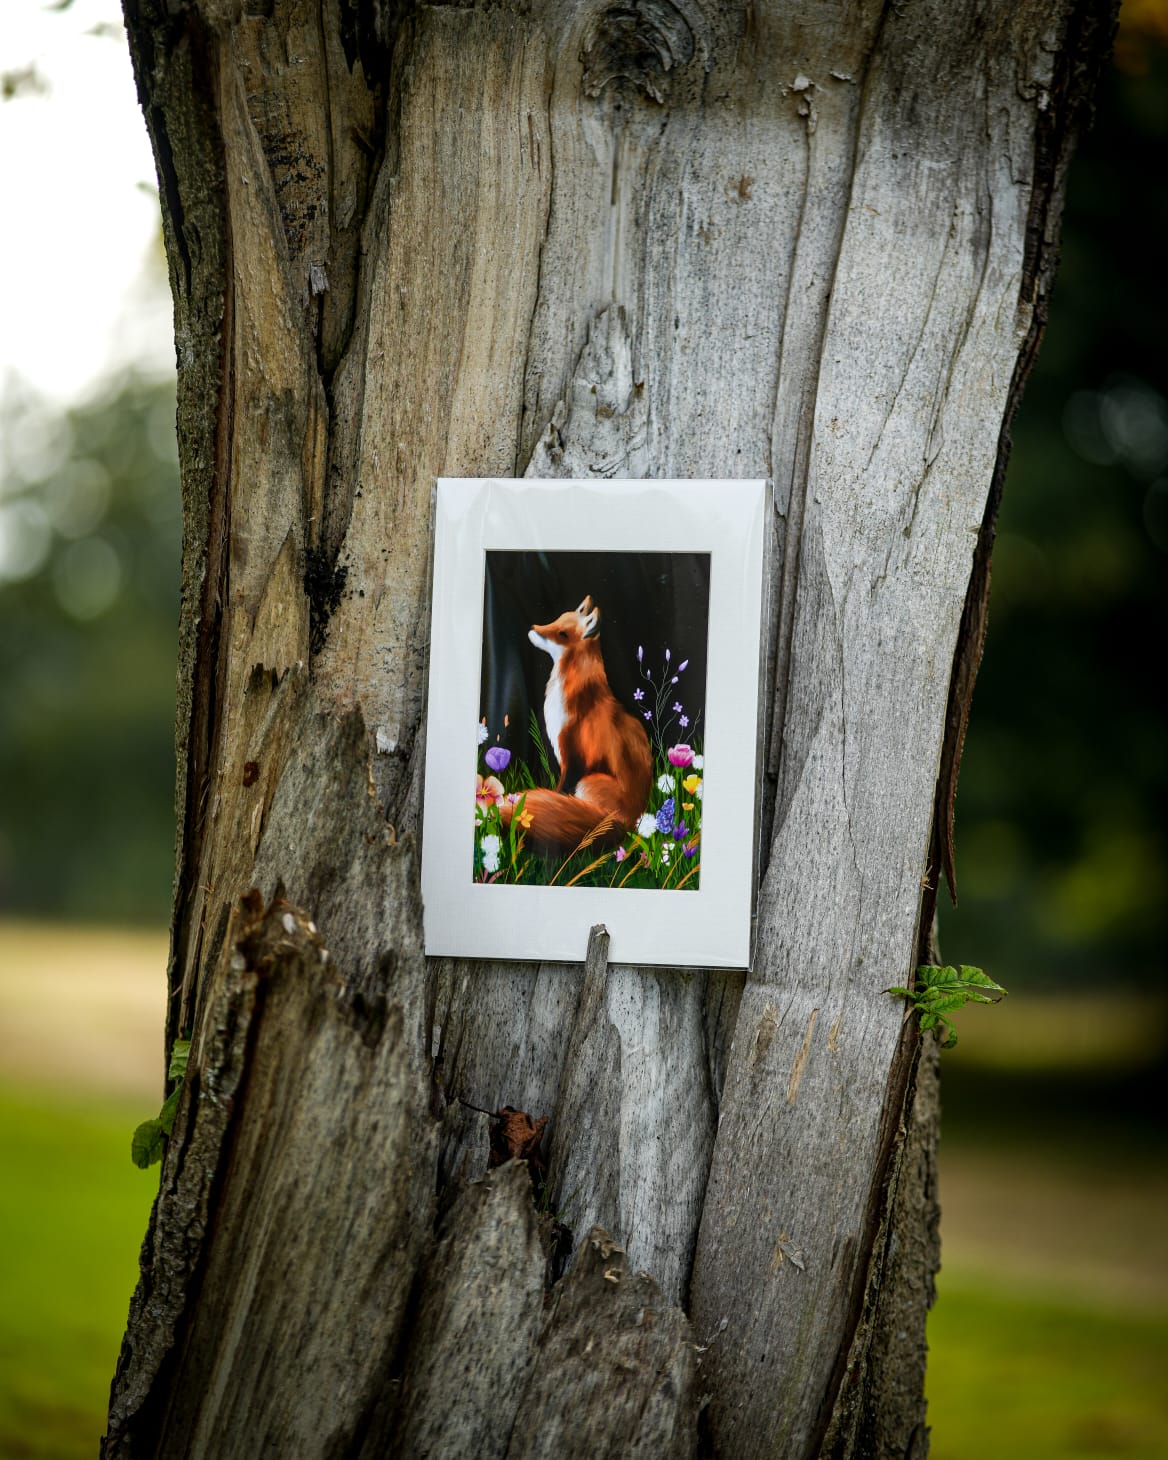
point(656, 600)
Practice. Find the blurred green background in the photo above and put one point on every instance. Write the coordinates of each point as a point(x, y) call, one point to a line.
point(1051, 1334)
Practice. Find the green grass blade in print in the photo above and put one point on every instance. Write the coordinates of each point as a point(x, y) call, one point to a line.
point(625, 807)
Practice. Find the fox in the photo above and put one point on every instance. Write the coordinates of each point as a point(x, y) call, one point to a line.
point(606, 767)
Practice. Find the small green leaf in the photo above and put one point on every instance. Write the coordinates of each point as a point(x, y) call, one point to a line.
point(166, 1114)
point(179, 1054)
point(146, 1144)
point(944, 1003)
point(939, 992)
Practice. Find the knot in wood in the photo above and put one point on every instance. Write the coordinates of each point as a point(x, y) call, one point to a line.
point(637, 43)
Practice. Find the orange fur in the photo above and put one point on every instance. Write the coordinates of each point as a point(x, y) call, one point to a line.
point(606, 767)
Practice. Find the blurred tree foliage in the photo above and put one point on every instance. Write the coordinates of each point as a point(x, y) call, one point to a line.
point(1060, 814)
point(90, 526)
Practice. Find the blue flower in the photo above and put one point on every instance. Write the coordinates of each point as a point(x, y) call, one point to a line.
point(665, 815)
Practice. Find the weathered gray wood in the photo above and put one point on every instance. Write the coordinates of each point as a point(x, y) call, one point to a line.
point(299, 1187)
point(478, 1320)
point(880, 1411)
point(665, 239)
point(615, 1370)
point(924, 328)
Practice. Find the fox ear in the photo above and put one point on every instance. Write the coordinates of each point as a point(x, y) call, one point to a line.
point(591, 624)
point(585, 605)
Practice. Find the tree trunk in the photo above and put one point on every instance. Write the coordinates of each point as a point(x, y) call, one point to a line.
point(667, 238)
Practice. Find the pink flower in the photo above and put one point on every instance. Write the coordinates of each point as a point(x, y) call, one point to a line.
point(489, 792)
point(621, 854)
point(680, 755)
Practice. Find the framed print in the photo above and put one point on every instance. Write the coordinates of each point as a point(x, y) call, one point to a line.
point(594, 651)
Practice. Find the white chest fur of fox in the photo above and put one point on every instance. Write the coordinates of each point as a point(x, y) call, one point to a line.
point(602, 751)
point(554, 713)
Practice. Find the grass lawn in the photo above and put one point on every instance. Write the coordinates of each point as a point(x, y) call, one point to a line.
point(1049, 1340)
point(73, 1210)
point(1024, 1374)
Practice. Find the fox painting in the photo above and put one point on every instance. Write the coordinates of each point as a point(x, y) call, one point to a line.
point(603, 754)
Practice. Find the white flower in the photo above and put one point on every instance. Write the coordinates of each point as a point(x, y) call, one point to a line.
point(698, 790)
point(484, 733)
point(665, 783)
point(665, 850)
point(491, 846)
point(647, 824)
point(698, 762)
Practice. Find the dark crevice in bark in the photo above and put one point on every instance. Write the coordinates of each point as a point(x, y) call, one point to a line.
point(893, 1126)
point(208, 668)
point(382, 50)
point(368, 31)
point(324, 582)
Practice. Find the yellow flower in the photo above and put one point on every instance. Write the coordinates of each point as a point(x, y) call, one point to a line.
point(687, 805)
point(525, 819)
point(691, 783)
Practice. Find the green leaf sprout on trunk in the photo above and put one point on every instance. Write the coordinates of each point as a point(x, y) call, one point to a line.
point(939, 992)
point(146, 1145)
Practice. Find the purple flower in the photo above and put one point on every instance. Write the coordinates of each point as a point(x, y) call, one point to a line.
point(680, 831)
point(677, 704)
point(640, 652)
point(648, 714)
point(683, 721)
point(667, 656)
point(621, 854)
point(691, 849)
point(497, 758)
point(664, 817)
point(673, 680)
point(680, 756)
point(638, 694)
point(682, 665)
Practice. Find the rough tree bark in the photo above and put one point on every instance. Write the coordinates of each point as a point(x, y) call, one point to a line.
point(563, 238)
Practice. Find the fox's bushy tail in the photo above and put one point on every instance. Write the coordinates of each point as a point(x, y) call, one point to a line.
point(562, 824)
